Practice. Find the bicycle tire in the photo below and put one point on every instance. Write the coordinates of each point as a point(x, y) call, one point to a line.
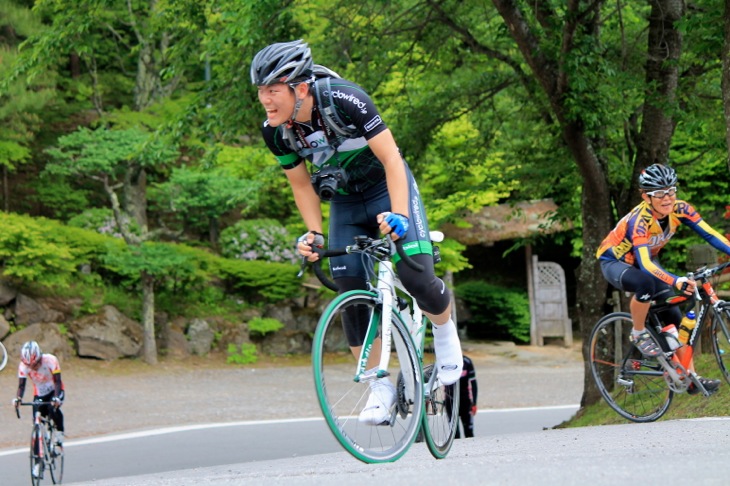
point(441, 414)
point(55, 461)
point(632, 385)
point(720, 332)
point(341, 398)
point(36, 437)
point(3, 356)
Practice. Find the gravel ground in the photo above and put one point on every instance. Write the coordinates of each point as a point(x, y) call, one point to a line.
point(122, 396)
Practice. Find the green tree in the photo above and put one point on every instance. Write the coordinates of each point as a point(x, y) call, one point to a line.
point(20, 104)
point(199, 198)
point(105, 156)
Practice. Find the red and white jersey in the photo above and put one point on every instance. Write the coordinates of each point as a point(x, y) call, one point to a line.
point(42, 377)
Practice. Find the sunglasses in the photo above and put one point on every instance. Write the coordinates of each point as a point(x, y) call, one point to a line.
point(663, 192)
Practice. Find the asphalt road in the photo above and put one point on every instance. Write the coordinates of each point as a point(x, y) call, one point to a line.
point(176, 448)
point(675, 452)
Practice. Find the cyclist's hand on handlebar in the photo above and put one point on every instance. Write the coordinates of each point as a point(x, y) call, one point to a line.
point(56, 402)
point(307, 241)
point(394, 224)
point(686, 285)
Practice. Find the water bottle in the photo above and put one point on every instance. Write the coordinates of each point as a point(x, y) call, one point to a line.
point(685, 327)
point(671, 335)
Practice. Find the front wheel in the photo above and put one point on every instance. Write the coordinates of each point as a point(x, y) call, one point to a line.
point(631, 384)
point(441, 415)
point(342, 399)
point(720, 333)
point(3, 356)
point(36, 458)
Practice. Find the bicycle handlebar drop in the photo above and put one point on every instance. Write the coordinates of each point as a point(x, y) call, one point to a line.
point(29, 404)
point(380, 249)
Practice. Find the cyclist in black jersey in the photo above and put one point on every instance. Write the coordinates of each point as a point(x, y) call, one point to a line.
point(368, 184)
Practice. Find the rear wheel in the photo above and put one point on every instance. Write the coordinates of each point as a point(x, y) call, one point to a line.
point(342, 399)
point(720, 332)
point(55, 462)
point(441, 415)
point(631, 384)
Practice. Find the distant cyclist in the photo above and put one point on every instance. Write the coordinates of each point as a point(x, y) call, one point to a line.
point(467, 398)
point(44, 371)
point(360, 171)
point(628, 255)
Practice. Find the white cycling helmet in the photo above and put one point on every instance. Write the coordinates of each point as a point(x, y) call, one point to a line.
point(657, 176)
point(30, 353)
point(284, 62)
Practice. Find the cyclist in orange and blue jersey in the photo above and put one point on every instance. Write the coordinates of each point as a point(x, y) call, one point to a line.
point(628, 255)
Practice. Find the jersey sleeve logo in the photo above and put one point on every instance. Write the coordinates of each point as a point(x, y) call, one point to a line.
point(373, 123)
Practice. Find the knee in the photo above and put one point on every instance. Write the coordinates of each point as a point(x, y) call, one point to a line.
point(431, 294)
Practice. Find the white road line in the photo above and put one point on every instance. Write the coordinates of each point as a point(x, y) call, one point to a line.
point(186, 428)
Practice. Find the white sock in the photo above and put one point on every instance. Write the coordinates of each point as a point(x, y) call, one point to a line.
point(446, 342)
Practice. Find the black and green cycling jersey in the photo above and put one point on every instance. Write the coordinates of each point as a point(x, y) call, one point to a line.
point(317, 144)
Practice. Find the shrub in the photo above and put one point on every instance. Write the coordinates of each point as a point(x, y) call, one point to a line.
point(496, 311)
point(258, 239)
point(261, 326)
point(246, 354)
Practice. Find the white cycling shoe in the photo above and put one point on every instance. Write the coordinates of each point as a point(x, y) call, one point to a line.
point(378, 408)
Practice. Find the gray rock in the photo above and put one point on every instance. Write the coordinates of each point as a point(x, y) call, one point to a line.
point(4, 327)
point(7, 293)
point(200, 337)
point(29, 311)
point(107, 335)
point(49, 338)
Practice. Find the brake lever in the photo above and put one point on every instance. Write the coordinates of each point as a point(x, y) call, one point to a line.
point(303, 267)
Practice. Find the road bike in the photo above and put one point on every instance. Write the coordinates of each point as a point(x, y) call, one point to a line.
point(640, 388)
point(44, 454)
point(396, 328)
point(3, 356)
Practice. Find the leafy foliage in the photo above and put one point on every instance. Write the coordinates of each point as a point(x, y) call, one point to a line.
point(30, 252)
point(102, 221)
point(246, 353)
point(104, 153)
point(258, 239)
point(496, 310)
point(261, 326)
point(48, 252)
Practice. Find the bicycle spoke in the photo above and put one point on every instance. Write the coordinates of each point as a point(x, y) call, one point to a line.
point(632, 385)
point(342, 399)
point(720, 331)
point(441, 415)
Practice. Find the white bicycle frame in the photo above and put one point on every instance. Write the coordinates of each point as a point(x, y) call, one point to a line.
point(387, 285)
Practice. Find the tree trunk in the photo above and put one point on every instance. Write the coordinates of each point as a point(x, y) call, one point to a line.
point(6, 192)
point(726, 78)
point(596, 213)
point(662, 78)
point(148, 319)
point(135, 196)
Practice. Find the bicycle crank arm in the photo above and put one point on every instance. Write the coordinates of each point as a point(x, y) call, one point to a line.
point(698, 384)
point(674, 374)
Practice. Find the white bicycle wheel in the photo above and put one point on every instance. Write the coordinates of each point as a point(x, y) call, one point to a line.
point(3, 356)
